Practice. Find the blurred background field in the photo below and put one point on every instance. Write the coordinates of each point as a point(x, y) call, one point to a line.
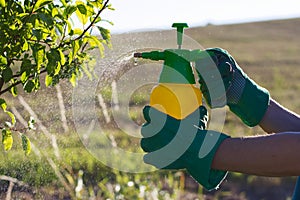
point(267, 51)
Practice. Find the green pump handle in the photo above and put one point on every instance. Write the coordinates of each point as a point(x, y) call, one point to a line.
point(176, 59)
point(180, 27)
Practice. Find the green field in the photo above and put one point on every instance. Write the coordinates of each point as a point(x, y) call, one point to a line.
point(267, 51)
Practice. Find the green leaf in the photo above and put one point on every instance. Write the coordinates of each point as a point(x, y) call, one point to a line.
point(81, 12)
point(7, 139)
point(59, 28)
point(7, 74)
point(22, 15)
point(97, 3)
point(48, 19)
point(64, 2)
point(62, 57)
point(57, 69)
point(48, 80)
point(54, 59)
point(76, 47)
point(70, 27)
point(37, 33)
point(41, 3)
point(3, 104)
point(54, 12)
point(70, 9)
point(73, 80)
point(26, 144)
point(26, 67)
point(110, 7)
point(70, 57)
point(2, 3)
point(25, 46)
point(82, 9)
point(29, 86)
point(24, 77)
point(77, 31)
point(90, 10)
point(3, 60)
point(10, 114)
point(97, 20)
point(14, 91)
point(105, 33)
point(94, 41)
point(55, 55)
point(36, 82)
point(12, 117)
point(38, 54)
point(110, 22)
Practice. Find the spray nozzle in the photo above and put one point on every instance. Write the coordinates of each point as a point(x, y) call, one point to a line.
point(152, 55)
point(180, 27)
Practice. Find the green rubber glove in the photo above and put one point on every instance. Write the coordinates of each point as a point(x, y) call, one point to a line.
point(228, 84)
point(182, 144)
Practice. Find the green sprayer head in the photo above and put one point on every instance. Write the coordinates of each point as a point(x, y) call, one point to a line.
point(180, 27)
point(177, 62)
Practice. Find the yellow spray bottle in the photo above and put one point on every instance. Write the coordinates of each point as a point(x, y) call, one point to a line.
point(175, 94)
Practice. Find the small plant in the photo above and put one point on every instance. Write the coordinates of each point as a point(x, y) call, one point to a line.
point(38, 39)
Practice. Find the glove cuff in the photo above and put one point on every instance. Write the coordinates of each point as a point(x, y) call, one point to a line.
point(252, 105)
point(209, 178)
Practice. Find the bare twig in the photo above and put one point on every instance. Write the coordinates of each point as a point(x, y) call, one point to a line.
point(9, 87)
point(114, 96)
point(9, 191)
point(18, 82)
point(14, 180)
point(62, 108)
point(63, 37)
point(1, 83)
point(15, 129)
point(104, 108)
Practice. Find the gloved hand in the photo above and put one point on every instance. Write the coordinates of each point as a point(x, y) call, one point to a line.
point(182, 144)
point(224, 82)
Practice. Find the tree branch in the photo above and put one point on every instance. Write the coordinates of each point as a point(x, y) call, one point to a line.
point(1, 83)
point(9, 87)
point(22, 130)
point(92, 23)
point(17, 83)
point(14, 180)
point(63, 37)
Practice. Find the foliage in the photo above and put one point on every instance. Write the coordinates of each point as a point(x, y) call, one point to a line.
point(38, 38)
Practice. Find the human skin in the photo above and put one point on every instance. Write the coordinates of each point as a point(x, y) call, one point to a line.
point(275, 154)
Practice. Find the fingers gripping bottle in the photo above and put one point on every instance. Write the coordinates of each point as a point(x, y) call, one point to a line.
point(175, 94)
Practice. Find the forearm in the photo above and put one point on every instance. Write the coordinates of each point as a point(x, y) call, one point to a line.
point(270, 155)
point(279, 119)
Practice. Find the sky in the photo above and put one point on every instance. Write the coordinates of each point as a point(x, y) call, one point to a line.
point(135, 15)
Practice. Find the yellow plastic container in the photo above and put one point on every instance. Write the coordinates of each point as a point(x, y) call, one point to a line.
point(176, 100)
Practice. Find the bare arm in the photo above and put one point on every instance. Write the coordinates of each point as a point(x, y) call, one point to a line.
point(268, 155)
point(279, 119)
